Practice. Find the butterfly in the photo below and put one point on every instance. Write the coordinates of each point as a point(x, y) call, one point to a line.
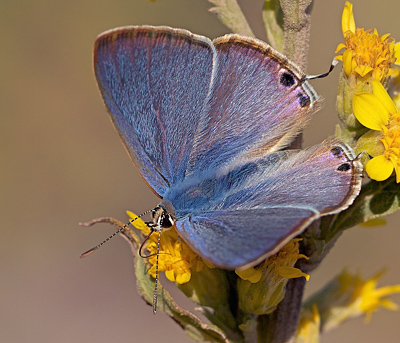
point(204, 122)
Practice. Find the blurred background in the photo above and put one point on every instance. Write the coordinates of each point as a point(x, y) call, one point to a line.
point(62, 163)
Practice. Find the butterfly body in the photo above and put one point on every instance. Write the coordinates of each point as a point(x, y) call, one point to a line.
point(204, 122)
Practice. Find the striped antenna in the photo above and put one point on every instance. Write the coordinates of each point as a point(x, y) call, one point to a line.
point(113, 235)
point(156, 281)
point(152, 230)
point(319, 76)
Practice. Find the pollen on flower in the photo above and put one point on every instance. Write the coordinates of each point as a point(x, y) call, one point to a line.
point(175, 258)
point(366, 53)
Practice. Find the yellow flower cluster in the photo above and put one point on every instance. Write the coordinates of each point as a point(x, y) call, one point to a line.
point(262, 287)
point(365, 297)
point(179, 261)
point(277, 266)
point(366, 53)
point(378, 112)
point(346, 296)
point(176, 258)
point(308, 330)
point(367, 63)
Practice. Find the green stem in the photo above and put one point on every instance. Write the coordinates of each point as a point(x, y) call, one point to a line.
point(297, 23)
point(281, 325)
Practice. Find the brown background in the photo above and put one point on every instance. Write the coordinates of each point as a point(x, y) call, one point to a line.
point(62, 162)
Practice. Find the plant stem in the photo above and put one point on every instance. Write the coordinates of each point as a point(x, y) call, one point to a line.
point(281, 325)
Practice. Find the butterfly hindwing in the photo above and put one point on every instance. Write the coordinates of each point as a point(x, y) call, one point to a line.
point(242, 238)
point(270, 200)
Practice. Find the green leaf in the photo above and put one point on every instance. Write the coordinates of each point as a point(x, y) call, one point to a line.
point(273, 20)
point(230, 14)
point(375, 200)
point(216, 298)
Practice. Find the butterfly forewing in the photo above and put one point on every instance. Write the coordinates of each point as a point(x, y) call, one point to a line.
point(182, 105)
point(256, 105)
point(155, 83)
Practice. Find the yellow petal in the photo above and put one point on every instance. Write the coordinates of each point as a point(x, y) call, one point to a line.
point(170, 275)
point(183, 277)
point(340, 47)
point(348, 23)
point(397, 52)
point(253, 275)
point(347, 62)
point(379, 168)
point(363, 70)
point(384, 97)
point(291, 272)
point(138, 223)
point(396, 168)
point(383, 37)
point(369, 111)
point(389, 304)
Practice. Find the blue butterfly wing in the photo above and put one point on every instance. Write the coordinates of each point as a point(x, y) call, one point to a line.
point(325, 178)
point(243, 214)
point(155, 83)
point(196, 116)
point(240, 238)
point(182, 103)
point(259, 101)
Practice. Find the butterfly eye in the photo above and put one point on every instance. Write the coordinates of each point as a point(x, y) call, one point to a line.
point(166, 221)
point(156, 213)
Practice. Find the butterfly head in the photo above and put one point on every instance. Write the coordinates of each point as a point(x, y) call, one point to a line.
point(162, 219)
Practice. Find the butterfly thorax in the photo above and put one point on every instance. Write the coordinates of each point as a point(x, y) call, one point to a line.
point(214, 189)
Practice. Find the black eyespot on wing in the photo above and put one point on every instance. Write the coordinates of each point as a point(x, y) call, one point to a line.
point(337, 151)
point(304, 100)
point(287, 80)
point(344, 167)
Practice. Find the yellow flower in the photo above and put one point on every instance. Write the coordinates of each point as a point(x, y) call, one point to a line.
point(262, 288)
point(364, 296)
point(378, 112)
point(366, 53)
point(281, 265)
point(308, 330)
point(349, 296)
point(175, 258)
